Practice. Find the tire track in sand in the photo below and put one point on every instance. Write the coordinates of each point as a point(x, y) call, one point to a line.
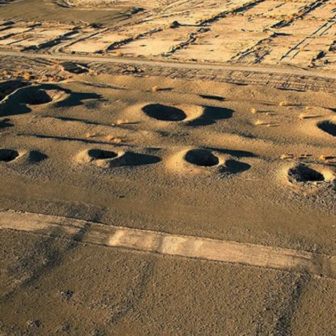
point(170, 244)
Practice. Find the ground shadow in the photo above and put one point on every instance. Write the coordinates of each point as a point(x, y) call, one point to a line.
point(211, 115)
point(21, 101)
point(36, 156)
point(137, 159)
point(212, 97)
point(5, 123)
point(328, 127)
point(236, 167)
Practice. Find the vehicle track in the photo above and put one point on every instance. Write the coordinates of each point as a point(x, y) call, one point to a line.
point(167, 64)
point(170, 244)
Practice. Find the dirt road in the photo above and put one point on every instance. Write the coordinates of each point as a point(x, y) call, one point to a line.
point(191, 66)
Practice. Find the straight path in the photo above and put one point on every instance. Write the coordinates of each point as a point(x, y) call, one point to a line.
point(168, 64)
point(170, 244)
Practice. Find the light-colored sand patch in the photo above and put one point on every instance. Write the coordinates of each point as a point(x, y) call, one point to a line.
point(158, 43)
point(108, 3)
point(96, 44)
point(169, 244)
point(219, 46)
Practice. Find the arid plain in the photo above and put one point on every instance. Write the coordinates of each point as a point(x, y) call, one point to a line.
point(167, 168)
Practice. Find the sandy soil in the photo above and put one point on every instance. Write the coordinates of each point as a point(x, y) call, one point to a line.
point(152, 294)
point(244, 164)
point(167, 168)
point(50, 11)
point(286, 33)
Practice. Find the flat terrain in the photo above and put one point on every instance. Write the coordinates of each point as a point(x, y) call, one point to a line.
point(167, 168)
point(297, 33)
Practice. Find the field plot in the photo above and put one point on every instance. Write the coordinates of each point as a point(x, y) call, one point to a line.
point(89, 4)
point(226, 39)
point(35, 36)
point(240, 31)
point(97, 44)
point(104, 41)
point(275, 9)
point(324, 12)
point(158, 43)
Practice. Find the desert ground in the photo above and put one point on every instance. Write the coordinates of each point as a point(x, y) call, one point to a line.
point(167, 168)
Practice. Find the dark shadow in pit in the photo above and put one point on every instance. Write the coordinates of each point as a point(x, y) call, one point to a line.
point(302, 173)
point(8, 155)
point(212, 97)
point(99, 154)
point(328, 127)
point(201, 157)
point(211, 115)
point(20, 102)
point(164, 112)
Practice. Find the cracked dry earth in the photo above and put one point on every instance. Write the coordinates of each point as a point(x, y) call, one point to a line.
point(194, 208)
